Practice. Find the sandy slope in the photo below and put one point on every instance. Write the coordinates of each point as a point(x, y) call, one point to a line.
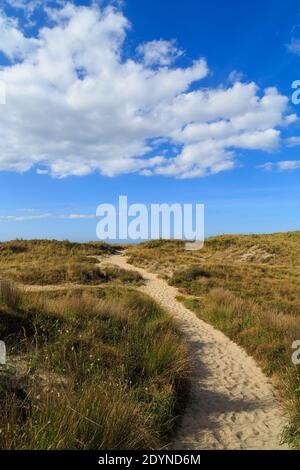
point(232, 404)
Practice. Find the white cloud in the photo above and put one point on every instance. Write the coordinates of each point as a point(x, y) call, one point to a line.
point(79, 216)
point(159, 52)
point(269, 166)
point(293, 141)
point(24, 4)
point(29, 7)
point(294, 46)
point(235, 76)
point(29, 214)
point(284, 165)
point(74, 105)
point(23, 218)
point(13, 43)
point(289, 165)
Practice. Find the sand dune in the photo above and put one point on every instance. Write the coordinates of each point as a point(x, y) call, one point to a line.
point(232, 403)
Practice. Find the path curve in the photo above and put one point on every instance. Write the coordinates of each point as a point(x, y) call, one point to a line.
point(232, 403)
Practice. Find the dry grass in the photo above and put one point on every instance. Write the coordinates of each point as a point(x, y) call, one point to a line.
point(101, 369)
point(123, 275)
point(50, 262)
point(44, 262)
point(247, 286)
point(9, 294)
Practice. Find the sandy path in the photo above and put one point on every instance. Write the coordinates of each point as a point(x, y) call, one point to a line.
point(232, 404)
point(58, 287)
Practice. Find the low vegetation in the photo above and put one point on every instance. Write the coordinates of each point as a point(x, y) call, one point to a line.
point(247, 286)
point(88, 368)
point(103, 367)
point(45, 262)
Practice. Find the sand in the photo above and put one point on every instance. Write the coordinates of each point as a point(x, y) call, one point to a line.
point(232, 403)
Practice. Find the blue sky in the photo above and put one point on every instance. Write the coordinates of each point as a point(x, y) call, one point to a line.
point(61, 157)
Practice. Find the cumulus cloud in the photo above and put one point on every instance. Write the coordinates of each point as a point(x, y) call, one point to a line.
point(235, 76)
point(159, 52)
point(29, 7)
point(13, 43)
point(75, 105)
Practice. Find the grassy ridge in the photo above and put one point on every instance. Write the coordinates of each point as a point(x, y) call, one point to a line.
point(46, 262)
point(247, 286)
point(50, 262)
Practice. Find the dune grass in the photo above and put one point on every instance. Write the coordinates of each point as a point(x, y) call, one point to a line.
point(88, 369)
point(248, 287)
point(49, 262)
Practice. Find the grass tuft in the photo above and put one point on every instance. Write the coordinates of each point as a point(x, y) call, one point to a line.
point(10, 294)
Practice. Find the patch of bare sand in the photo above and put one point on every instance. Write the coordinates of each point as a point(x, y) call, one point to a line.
point(58, 287)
